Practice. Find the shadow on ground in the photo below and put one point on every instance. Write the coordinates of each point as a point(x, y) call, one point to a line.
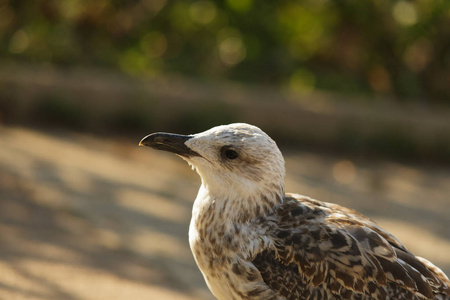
point(80, 219)
point(88, 218)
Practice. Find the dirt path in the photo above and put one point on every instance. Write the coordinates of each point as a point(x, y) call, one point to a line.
point(83, 217)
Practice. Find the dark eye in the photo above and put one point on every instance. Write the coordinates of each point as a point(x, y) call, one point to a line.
point(228, 153)
point(231, 154)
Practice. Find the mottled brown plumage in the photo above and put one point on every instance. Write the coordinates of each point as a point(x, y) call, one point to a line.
point(253, 241)
point(325, 251)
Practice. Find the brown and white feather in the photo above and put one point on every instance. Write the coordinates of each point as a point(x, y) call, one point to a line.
point(253, 241)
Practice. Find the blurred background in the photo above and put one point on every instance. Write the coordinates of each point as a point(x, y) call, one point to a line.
point(356, 94)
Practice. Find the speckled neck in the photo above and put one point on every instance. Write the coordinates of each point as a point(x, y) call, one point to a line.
point(235, 207)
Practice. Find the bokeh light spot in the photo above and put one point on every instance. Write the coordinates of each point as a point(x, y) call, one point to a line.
point(154, 44)
point(19, 42)
point(231, 47)
point(405, 13)
point(232, 51)
point(202, 12)
point(418, 55)
point(240, 5)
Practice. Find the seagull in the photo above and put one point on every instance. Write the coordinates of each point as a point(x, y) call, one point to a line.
point(251, 240)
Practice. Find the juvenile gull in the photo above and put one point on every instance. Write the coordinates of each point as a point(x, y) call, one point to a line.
point(253, 241)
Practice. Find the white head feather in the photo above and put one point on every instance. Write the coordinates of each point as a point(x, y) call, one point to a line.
point(257, 169)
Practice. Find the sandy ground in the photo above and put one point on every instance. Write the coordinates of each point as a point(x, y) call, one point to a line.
point(83, 217)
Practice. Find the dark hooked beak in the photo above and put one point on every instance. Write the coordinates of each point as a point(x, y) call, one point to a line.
point(170, 142)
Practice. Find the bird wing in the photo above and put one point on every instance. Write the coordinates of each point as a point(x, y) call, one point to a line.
point(323, 250)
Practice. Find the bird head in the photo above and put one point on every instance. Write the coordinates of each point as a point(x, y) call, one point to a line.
point(237, 158)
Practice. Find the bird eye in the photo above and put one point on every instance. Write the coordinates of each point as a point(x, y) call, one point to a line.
point(228, 153)
point(231, 154)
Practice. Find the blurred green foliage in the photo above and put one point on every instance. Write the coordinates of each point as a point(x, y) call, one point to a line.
point(397, 48)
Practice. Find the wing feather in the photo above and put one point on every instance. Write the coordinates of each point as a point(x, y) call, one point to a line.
point(337, 252)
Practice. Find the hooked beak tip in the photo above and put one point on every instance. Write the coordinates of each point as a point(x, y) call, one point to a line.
point(169, 142)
